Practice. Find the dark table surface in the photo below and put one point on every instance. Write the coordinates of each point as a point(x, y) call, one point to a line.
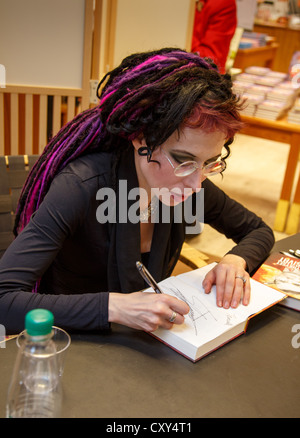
point(129, 374)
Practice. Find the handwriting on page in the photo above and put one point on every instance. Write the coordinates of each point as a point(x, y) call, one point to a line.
point(200, 310)
point(197, 308)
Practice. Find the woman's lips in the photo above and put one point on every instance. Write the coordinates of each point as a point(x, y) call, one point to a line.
point(174, 195)
point(180, 196)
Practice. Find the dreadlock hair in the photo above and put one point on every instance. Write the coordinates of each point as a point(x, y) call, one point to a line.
point(151, 94)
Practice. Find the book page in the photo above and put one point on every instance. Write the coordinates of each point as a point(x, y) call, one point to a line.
point(205, 321)
point(261, 295)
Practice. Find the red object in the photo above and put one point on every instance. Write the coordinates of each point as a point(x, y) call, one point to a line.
point(214, 26)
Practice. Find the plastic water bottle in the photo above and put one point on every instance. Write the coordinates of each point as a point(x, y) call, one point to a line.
point(35, 388)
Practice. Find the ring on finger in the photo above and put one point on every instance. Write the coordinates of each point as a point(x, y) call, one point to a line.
point(242, 278)
point(172, 319)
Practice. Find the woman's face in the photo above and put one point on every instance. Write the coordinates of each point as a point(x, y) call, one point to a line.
point(193, 144)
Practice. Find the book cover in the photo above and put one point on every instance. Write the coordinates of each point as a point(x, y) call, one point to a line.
point(282, 272)
point(207, 327)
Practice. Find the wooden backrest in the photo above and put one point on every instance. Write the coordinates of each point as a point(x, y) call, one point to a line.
point(14, 170)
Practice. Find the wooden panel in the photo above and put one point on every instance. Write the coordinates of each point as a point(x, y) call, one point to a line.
point(43, 123)
point(14, 124)
point(96, 48)
point(87, 54)
point(35, 123)
point(21, 124)
point(1, 124)
point(28, 123)
point(291, 166)
point(56, 115)
point(70, 108)
point(6, 123)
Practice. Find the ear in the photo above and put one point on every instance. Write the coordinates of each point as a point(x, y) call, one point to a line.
point(139, 142)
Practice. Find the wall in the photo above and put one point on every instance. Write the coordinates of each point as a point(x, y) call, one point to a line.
point(42, 42)
point(150, 24)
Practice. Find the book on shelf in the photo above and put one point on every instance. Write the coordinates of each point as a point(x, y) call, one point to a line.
point(255, 39)
point(282, 272)
point(207, 327)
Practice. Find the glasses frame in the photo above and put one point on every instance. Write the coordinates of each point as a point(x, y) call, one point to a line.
point(204, 169)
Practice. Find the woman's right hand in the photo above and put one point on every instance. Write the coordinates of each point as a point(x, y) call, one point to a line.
point(145, 310)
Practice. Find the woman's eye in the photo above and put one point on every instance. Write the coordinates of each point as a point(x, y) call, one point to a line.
point(178, 160)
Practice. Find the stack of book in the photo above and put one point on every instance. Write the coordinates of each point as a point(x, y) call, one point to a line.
point(282, 95)
point(267, 94)
point(290, 85)
point(277, 74)
point(270, 81)
point(240, 87)
point(251, 101)
point(247, 77)
point(262, 76)
point(271, 109)
point(253, 39)
point(294, 113)
point(260, 90)
point(259, 71)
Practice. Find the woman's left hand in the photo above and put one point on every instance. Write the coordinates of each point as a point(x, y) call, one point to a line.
point(231, 280)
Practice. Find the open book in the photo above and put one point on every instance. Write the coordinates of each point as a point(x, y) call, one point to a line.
point(207, 327)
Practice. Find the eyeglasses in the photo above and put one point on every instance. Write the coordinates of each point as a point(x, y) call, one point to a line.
point(188, 167)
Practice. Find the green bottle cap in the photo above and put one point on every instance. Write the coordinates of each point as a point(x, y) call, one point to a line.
point(39, 322)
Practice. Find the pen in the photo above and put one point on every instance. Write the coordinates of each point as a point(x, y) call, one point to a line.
point(289, 254)
point(295, 252)
point(148, 277)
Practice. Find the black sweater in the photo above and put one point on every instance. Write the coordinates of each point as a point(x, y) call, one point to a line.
point(78, 261)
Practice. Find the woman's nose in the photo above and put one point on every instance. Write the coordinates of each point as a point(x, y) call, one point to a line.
point(194, 181)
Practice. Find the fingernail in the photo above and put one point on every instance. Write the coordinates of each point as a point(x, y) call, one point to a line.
point(226, 304)
point(233, 304)
point(220, 303)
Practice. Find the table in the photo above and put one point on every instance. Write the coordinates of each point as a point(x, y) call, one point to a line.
point(288, 211)
point(128, 374)
point(258, 56)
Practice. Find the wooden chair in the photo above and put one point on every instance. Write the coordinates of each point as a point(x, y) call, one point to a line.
point(14, 170)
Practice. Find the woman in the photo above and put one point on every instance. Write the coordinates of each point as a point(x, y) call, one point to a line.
point(214, 26)
point(162, 123)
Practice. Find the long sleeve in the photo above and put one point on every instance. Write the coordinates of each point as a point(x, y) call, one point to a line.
point(62, 213)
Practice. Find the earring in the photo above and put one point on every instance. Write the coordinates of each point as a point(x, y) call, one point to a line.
point(145, 150)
